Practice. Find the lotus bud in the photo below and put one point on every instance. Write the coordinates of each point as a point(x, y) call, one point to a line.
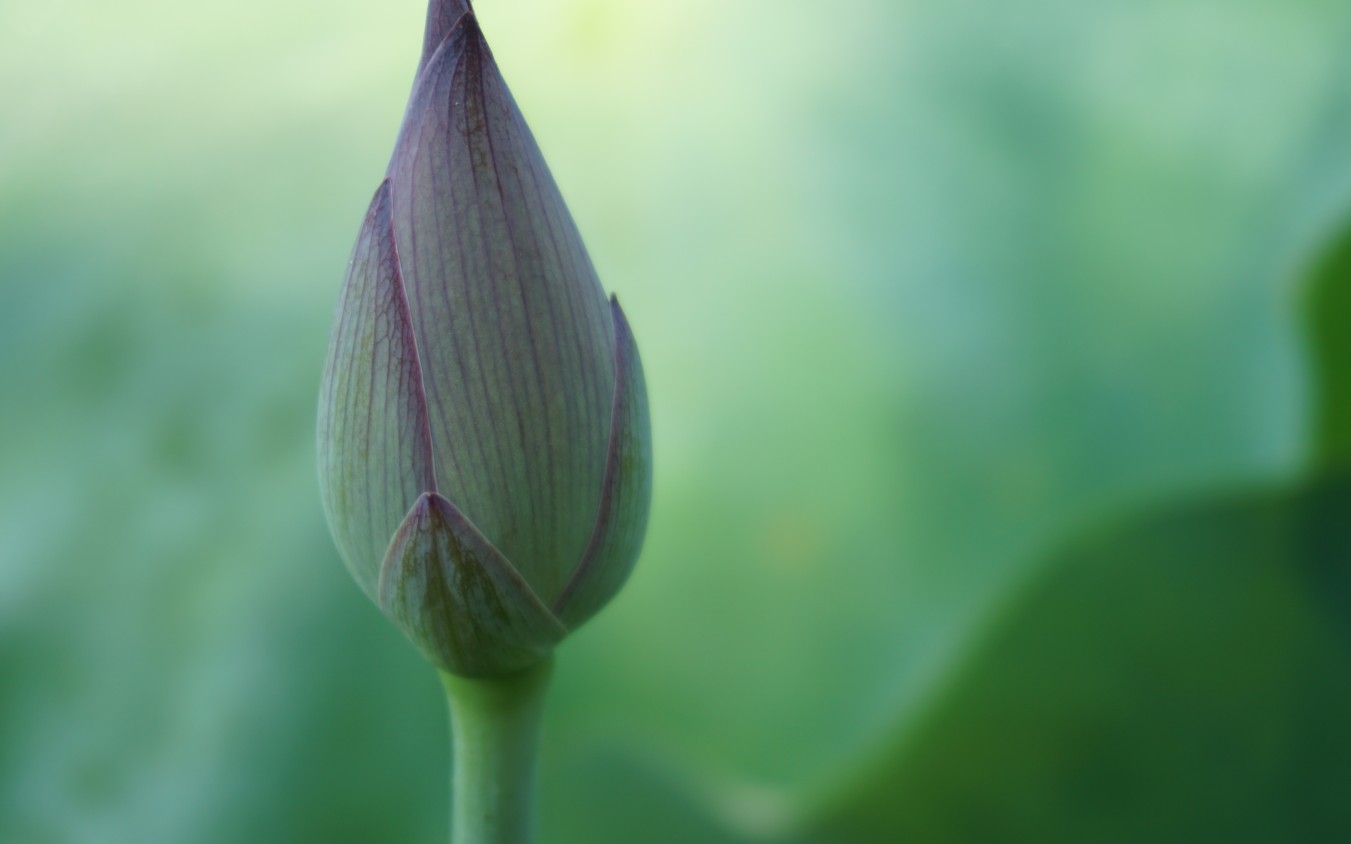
point(484, 446)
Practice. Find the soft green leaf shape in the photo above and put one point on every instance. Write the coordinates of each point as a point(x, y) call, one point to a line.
point(1181, 678)
point(1184, 678)
point(1327, 321)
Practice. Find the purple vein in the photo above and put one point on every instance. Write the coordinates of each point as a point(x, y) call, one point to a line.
point(504, 472)
point(406, 313)
point(517, 246)
point(550, 205)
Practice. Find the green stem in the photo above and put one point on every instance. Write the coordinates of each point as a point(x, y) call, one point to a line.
point(494, 725)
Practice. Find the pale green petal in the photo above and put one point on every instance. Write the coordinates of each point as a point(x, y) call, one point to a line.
point(374, 452)
point(626, 494)
point(458, 599)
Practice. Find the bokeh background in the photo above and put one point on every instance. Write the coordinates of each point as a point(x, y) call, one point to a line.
point(998, 355)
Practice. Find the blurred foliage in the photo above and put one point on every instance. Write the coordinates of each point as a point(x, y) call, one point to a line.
point(924, 289)
point(1183, 679)
point(1327, 315)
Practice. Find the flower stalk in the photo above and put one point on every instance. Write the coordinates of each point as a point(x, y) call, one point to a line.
point(495, 724)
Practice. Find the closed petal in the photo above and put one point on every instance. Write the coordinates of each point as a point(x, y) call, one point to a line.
point(621, 519)
point(458, 599)
point(516, 340)
point(375, 453)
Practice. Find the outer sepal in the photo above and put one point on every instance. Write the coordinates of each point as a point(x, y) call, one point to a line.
point(626, 492)
point(458, 599)
point(375, 452)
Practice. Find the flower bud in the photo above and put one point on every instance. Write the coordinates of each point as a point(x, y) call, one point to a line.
point(484, 446)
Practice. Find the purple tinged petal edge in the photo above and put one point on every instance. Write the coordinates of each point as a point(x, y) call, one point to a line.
point(626, 493)
point(375, 451)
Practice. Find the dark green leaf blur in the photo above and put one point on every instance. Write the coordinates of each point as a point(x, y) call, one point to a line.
point(999, 360)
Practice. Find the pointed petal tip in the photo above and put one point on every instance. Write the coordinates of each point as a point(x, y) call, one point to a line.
point(623, 334)
point(378, 212)
point(424, 507)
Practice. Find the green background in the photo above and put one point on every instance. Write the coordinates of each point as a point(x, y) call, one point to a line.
point(999, 371)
